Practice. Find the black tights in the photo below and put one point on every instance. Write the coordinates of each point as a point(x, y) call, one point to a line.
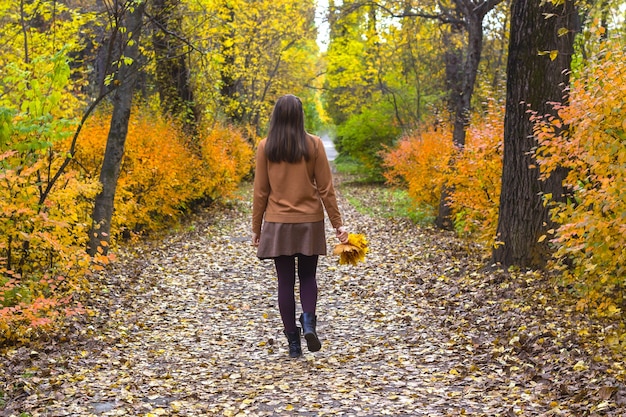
point(286, 271)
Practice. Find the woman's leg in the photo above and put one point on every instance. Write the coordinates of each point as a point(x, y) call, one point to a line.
point(307, 270)
point(286, 271)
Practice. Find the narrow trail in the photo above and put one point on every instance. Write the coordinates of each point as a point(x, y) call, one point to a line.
point(189, 326)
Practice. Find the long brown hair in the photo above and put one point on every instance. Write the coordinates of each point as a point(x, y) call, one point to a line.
point(286, 139)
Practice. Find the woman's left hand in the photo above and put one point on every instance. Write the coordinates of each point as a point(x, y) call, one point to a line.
point(342, 234)
point(255, 239)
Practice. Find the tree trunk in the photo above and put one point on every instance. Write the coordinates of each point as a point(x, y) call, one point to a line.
point(230, 87)
point(462, 88)
point(172, 73)
point(534, 80)
point(99, 236)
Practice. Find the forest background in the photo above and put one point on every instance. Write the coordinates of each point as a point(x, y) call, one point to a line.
point(119, 117)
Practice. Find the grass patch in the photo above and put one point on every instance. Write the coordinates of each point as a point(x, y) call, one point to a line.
point(348, 166)
point(386, 202)
point(353, 170)
point(403, 206)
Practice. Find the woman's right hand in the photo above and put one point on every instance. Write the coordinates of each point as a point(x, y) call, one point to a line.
point(342, 234)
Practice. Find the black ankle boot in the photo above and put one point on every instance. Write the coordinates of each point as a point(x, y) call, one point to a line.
point(309, 321)
point(295, 348)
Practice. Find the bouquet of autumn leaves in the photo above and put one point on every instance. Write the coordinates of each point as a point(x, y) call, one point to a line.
point(353, 251)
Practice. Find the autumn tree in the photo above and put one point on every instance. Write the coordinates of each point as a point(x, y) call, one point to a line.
point(382, 76)
point(42, 205)
point(461, 25)
point(252, 52)
point(131, 14)
point(373, 61)
point(462, 62)
point(346, 87)
point(540, 54)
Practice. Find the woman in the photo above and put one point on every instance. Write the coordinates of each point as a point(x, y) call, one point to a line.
point(292, 180)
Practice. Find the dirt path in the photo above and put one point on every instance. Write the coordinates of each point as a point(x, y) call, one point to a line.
point(189, 326)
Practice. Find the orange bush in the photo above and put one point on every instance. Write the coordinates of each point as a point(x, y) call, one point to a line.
point(157, 172)
point(419, 163)
point(476, 178)
point(227, 158)
point(160, 173)
point(591, 238)
point(422, 163)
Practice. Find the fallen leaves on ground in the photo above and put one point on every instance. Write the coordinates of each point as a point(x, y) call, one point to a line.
point(189, 326)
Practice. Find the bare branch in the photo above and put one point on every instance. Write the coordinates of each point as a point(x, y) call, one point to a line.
point(165, 30)
point(72, 150)
point(442, 17)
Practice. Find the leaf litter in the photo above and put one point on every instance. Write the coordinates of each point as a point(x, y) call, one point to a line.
point(189, 326)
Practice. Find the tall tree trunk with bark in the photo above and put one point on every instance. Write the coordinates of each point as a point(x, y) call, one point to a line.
point(99, 236)
point(453, 58)
point(463, 87)
point(172, 72)
point(539, 60)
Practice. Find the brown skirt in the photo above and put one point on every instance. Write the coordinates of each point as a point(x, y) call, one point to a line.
point(291, 239)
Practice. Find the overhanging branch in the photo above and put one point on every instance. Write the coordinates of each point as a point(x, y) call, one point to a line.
point(443, 17)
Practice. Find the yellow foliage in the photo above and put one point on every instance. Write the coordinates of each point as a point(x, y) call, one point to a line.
point(42, 256)
point(249, 44)
point(30, 60)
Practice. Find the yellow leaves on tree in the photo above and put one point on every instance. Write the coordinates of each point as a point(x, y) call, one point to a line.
point(592, 232)
point(252, 54)
point(46, 30)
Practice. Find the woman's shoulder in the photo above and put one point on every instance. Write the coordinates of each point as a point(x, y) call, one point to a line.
point(314, 143)
point(316, 140)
